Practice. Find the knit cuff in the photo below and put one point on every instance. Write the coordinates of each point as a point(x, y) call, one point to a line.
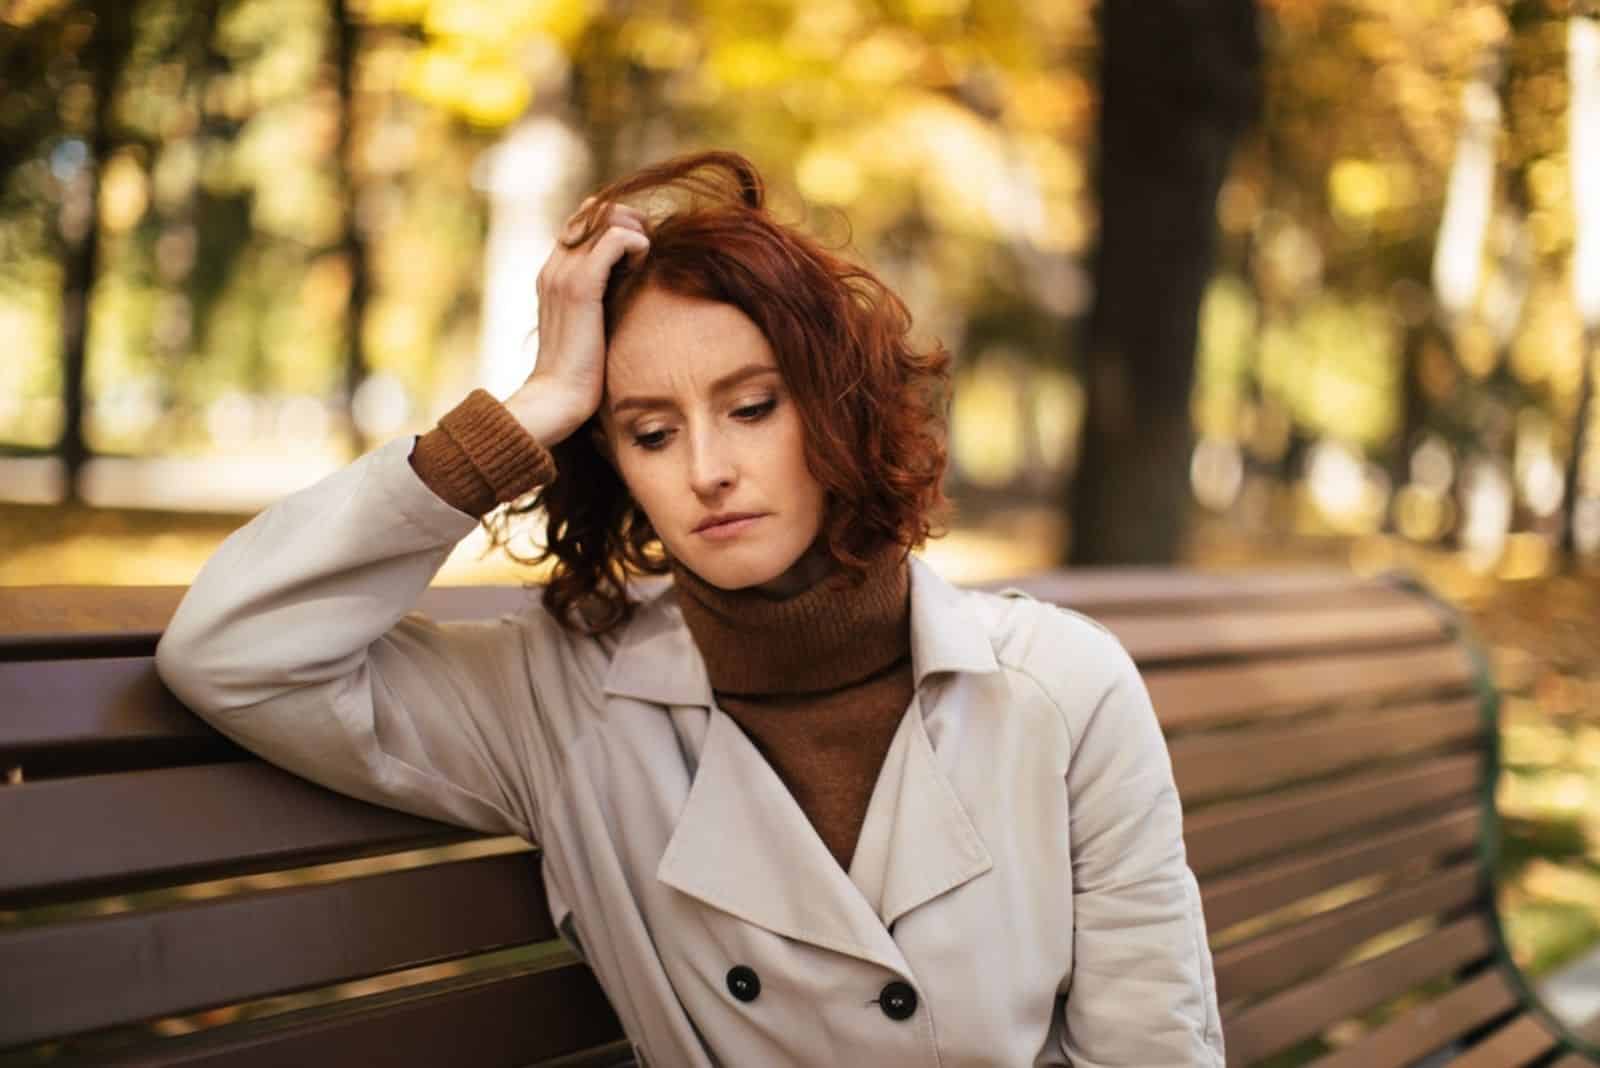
point(479, 456)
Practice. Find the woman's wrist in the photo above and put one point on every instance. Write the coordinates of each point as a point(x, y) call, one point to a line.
point(545, 412)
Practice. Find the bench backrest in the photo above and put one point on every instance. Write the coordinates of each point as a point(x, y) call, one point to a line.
point(1331, 737)
point(160, 879)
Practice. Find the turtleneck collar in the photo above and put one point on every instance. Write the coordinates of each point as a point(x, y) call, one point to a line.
point(831, 635)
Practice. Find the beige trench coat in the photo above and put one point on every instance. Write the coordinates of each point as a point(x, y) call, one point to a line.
point(1021, 869)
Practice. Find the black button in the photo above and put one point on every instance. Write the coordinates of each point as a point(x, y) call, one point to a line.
point(898, 1001)
point(744, 983)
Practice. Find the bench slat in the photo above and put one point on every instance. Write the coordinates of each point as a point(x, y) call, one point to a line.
point(45, 613)
point(1284, 1019)
point(1413, 1035)
point(1235, 898)
point(183, 958)
point(506, 1018)
point(115, 700)
point(1276, 959)
point(1154, 588)
point(618, 1054)
point(133, 829)
point(1190, 697)
point(1401, 619)
point(1254, 758)
point(1227, 835)
point(127, 620)
point(1519, 1042)
point(121, 700)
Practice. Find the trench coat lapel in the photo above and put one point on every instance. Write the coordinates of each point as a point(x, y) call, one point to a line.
point(742, 844)
point(656, 659)
point(918, 841)
point(946, 634)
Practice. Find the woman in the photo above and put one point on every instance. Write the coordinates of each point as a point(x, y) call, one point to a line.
point(806, 805)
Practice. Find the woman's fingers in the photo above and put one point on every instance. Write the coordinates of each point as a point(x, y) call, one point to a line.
point(626, 212)
point(616, 242)
point(568, 269)
point(633, 221)
point(616, 215)
point(574, 224)
point(581, 273)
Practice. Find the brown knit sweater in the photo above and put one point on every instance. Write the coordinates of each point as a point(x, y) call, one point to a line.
point(818, 681)
point(479, 456)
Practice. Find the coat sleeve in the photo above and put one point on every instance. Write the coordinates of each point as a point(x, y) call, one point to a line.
point(295, 641)
point(1142, 991)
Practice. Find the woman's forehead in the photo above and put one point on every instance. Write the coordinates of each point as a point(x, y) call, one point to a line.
point(671, 341)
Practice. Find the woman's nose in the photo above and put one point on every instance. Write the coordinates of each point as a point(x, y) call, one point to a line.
point(711, 467)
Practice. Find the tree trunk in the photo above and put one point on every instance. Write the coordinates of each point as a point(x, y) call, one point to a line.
point(1573, 481)
point(105, 56)
point(1413, 407)
point(352, 241)
point(1179, 81)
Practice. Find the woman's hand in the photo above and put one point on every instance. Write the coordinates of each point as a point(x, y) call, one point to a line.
point(569, 374)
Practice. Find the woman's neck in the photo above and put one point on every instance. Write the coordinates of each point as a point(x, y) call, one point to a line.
point(831, 633)
point(812, 567)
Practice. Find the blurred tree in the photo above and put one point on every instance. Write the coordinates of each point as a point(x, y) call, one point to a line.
point(1337, 216)
point(1583, 72)
point(346, 37)
point(290, 211)
point(105, 54)
point(949, 132)
point(1178, 82)
point(293, 209)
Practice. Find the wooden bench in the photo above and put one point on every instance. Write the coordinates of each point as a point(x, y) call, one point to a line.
point(1333, 740)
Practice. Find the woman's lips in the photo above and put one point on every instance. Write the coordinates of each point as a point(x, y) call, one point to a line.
point(731, 529)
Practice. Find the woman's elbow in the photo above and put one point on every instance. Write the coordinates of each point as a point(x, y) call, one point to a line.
point(181, 664)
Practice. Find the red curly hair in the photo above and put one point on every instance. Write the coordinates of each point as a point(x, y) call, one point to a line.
point(872, 405)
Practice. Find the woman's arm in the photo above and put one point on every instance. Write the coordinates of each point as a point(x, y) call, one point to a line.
point(1142, 992)
point(295, 641)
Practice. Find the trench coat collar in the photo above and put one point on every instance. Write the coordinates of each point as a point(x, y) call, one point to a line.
point(656, 659)
point(917, 841)
point(743, 845)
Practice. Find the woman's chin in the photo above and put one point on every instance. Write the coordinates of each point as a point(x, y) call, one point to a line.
point(749, 569)
point(733, 575)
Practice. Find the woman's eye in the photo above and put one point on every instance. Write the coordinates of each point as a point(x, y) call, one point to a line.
point(651, 439)
point(752, 412)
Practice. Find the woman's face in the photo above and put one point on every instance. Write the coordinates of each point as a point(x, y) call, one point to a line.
point(708, 440)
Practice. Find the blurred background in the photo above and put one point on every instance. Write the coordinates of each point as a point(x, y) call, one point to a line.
point(1248, 283)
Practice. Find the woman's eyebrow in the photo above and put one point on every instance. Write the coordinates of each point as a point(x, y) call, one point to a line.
point(721, 385)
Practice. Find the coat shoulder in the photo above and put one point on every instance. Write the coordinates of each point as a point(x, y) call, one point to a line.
point(566, 667)
point(1065, 651)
